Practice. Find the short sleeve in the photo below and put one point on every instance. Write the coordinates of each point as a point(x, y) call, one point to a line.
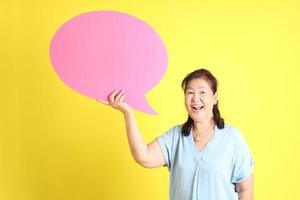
point(243, 161)
point(166, 143)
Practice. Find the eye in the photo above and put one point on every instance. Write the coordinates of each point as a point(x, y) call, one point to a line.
point(189, 92)
point(202, 92)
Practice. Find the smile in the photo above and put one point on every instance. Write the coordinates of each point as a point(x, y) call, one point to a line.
point(197, 108)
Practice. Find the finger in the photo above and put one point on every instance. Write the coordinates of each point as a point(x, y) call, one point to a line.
point(111, 97)
point(122, 97)
point(117, 98)
point(102, 101)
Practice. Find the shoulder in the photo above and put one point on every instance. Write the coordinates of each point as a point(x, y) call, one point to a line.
point(176, 128)
point(170, 137)
point(236, 139)
point(232, 133)
point(173, 132)
point(231, 130)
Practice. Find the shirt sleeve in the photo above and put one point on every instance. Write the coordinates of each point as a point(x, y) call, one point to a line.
point(166, 143)
point(243, 162)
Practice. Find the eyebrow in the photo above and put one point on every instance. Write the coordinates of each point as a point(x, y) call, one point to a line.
point(193, 88)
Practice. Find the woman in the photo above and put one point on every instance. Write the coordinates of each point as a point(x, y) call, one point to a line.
point(207, 159)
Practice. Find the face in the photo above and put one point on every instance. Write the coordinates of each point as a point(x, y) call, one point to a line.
point(199, 100)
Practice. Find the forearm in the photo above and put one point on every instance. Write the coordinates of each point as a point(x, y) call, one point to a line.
point(136, 143)
point(246, 195)
point(245, 189)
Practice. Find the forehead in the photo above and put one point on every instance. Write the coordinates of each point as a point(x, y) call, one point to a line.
point(198, 83)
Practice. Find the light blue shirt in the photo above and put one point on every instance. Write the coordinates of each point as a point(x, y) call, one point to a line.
point(209, 174)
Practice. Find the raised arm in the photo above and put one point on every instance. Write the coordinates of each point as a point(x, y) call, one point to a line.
point(147, 155)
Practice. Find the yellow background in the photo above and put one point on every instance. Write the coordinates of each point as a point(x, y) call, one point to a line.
point(56, 144)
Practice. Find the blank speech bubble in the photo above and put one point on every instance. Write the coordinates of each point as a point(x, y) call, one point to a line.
point(97, 52)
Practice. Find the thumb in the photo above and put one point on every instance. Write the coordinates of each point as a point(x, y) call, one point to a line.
point(101, 101)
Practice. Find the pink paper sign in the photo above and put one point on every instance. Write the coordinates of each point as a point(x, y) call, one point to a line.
point(97, 52)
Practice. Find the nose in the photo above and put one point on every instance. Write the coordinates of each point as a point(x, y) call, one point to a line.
point(195, 97)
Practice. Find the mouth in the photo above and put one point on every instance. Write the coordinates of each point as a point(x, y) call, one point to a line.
point(197, 108)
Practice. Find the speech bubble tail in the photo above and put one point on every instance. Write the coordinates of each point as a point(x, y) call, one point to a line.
point(142, 105)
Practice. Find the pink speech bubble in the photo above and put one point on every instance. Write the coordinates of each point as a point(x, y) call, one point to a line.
point(97, 52)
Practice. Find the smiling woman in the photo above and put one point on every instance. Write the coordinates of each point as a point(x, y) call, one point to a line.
point(207, 159)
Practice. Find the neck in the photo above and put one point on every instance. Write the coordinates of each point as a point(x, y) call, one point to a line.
point(203, 127)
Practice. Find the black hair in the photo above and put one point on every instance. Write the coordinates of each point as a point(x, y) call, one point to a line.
point(207, 75)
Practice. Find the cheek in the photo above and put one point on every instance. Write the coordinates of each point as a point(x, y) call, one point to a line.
point(186, 99)
point(186, 102)
point(209, 102)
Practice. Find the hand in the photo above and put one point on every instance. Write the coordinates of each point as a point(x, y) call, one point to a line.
point(116, 100)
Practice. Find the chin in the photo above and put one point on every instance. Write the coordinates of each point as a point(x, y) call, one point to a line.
point(197, 118)
point(203, 116)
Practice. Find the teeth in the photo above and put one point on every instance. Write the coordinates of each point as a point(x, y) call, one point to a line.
point(197, 107)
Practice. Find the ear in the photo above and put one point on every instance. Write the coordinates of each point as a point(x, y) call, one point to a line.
point(215, 98)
